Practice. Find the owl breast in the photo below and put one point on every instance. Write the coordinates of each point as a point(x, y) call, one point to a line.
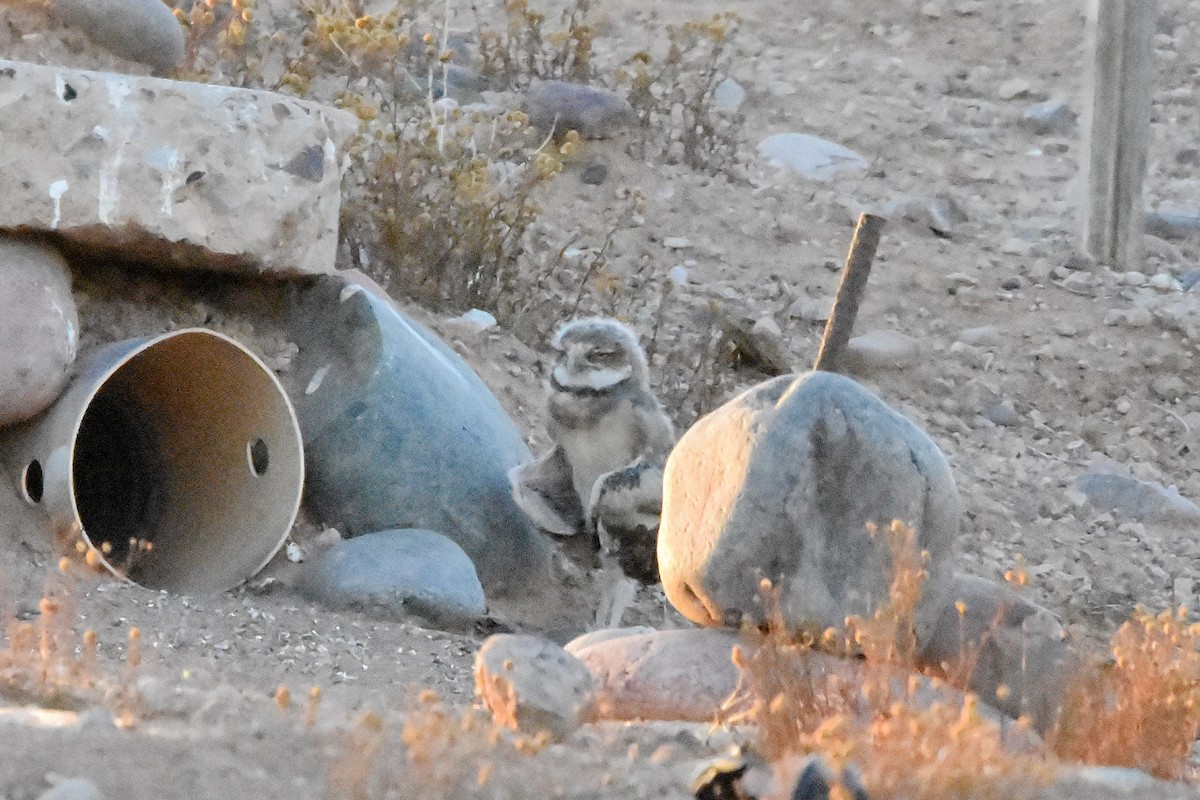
point(610, 442)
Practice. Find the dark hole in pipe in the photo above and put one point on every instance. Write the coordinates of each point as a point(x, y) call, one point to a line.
point(116, 478)
point(260, 458)
point(33, 482)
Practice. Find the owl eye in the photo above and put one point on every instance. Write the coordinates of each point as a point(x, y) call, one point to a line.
point(606, 357)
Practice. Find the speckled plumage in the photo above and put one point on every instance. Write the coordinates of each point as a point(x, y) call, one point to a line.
point(611, 438)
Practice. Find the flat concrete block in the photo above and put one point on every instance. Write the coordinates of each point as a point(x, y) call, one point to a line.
point(175, 174)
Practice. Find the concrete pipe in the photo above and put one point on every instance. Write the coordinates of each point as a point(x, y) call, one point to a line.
point(178, 457)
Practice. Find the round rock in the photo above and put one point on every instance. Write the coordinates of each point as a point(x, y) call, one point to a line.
point(666, 675)
point(398, 574)
point(532, 685)
point(810, 156)
point(994, 637)
point(145, 31)
point(38, 325)
point(594, 113)
point(780, 483)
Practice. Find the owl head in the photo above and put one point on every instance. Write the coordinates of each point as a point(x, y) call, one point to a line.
point(595, 355)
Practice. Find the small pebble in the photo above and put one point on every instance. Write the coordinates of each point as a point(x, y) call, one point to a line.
point(728, 96)
point(594, 174)
point(1169, 388)
point(676, 243)
point(810, 156)
point(1003, 414)
point(479, 318)
point(1164, 282)
point(1016, 246)
point(1014, 88)
point(145, 31)
point(72, 789)
point(1050, 117)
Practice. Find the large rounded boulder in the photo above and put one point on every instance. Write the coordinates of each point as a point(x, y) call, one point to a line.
point(38, 326)
point(781, 483)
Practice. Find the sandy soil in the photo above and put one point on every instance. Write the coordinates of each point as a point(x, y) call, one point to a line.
point(919, 96)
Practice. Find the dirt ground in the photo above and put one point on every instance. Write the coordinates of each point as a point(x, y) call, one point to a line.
point(916, 89)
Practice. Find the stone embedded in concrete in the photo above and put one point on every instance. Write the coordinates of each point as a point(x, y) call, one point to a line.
point(532, 685)
point(39, 328)
point(145, 31)
point(174, 174)
point(780, 483)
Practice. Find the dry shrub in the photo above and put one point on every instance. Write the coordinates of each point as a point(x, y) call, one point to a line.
point(46, 661)
point(870, 709)
point(49, 663)
point(673, 96)
point(525, 49)
point(1142, 709)
point(437, 752)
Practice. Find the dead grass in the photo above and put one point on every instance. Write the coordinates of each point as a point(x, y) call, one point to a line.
point(873, 710)
point(1139, 709)
point(1142, 708)
point(48, 662)
point(436, 752)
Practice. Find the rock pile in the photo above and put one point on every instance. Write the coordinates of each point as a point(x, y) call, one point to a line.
point(170, 175)
point(784, 486)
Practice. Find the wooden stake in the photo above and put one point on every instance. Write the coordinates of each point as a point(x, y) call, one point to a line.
point(1117, 129)
point(850, 292)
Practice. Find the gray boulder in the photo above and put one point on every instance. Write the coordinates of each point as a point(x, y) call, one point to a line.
point(1000, 639)
point(780, 483)
point(400, 574)
point(140, 30)
point(1173, 223)
point(38, 325)
point(595, 113)
point(399, 432)
point(1130, 498)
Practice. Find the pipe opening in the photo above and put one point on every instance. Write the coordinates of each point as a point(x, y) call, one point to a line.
point(178, 458)
point(116, 478)
point(32, 482)
point(259, 456)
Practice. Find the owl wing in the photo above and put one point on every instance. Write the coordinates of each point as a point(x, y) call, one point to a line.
point(625, 508)
point(544, 491)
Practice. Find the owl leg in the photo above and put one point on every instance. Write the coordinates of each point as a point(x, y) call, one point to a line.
point(617, 591)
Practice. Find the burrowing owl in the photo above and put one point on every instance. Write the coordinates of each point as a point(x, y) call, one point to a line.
point(604, 475)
